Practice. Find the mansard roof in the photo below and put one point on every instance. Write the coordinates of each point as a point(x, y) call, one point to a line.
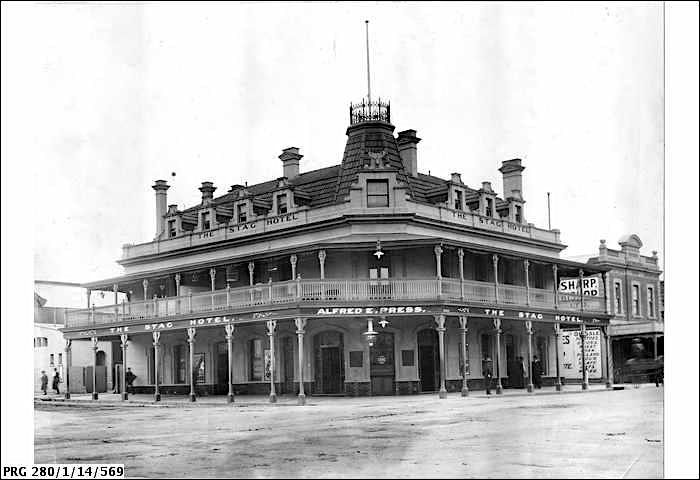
point(329, 185)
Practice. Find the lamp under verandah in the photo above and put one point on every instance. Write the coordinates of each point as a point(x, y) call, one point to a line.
point(370, 334)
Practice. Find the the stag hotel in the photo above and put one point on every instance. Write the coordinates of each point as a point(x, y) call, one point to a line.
point(363, 278)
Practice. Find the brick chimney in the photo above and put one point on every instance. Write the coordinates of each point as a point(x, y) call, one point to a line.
point(512, 178)
point(408, 151)
point(486, 187)
point(207, 190)
point(290, 162)
point(161, 187)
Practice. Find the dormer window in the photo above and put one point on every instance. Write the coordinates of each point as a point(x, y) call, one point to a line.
point(281, 203)
point(488, 211)
point(242, 212)
point(458, 200)
point(377, 193)
point(518, 214)
point(206, 221)
point(172, 231)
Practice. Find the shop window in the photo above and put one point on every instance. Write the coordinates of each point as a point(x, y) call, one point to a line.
point(200, 372)
point(486, 348)
point(377, 193)
point(650, 301)
point(407, 358)
point(242, 212)
point(171, 228)
point(180, 358)
point(356, 358)
point(41, 342)
point(618, 297)
point(256, 360)
point(462, 364)
point(281, 203)
point(458, 200)
point(635, 299)
point(206, 221)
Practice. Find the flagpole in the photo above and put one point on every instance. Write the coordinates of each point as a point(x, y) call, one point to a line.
point(369, 94)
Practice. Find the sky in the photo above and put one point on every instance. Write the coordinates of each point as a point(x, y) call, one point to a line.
point(101, 100)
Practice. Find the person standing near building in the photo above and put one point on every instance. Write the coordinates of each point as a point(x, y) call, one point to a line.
point(56, 381)
point(129, 377)
point(536, 372)
point(487, 369)
point(44, 382)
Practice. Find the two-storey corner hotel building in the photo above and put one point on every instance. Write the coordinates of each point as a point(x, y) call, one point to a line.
point(363, 278)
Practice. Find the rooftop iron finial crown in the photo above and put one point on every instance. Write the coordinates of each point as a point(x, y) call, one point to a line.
point(370, 111)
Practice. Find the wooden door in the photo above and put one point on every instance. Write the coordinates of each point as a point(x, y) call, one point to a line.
point(428, 360)
point(330, 375)
point(382, 370)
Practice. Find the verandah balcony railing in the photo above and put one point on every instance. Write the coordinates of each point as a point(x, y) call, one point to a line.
point(309, 291)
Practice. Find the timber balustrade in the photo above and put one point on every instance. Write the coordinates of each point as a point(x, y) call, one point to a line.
point(314, 291)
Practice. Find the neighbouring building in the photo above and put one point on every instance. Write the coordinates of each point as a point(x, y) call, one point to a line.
point(366, 277)
point(636, 294)
point(50, 354)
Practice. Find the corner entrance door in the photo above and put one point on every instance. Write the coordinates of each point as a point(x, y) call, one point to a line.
point(382, 364)
point(514, 364)
point(428, 360)
point(330, 374)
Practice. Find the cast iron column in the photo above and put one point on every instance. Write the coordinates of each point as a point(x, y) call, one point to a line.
point(497, 326)
point(440, 320)
point(555, 269)
point(584, 370)
point(608, 378)
point(528, 329)
point(301, 324)
point(66, 374)
point(177, 290)
point(494, 258)
point(191, 332)
point(557, 332)
point(293, 262)
point(465, 360)
point(460, 255)
point(526, 264)
point(322, 263)
point(229, 344)
point(580, 287)
point(124, 338)
point(271, 326)
point(94, 368)
point(156, 348)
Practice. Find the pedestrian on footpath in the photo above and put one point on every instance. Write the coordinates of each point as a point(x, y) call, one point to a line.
point(56, 381)
point(487, 369)
point(129, 377)
point(44, 382)
point(536, 372)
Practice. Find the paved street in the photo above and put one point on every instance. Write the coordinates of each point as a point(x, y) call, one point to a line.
point(599, 434)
